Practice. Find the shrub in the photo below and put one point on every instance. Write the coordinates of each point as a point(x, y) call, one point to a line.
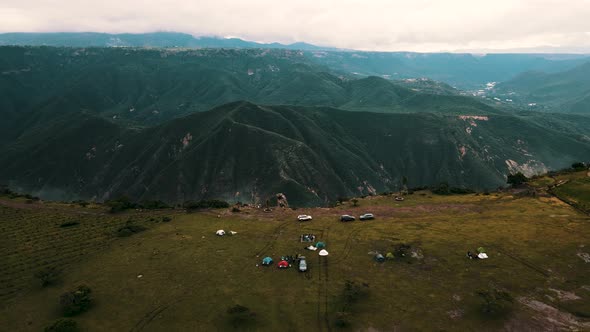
point(206, 204)
point(355, 202)
point(154, 205)
point(76, 301)
point(442, 189)
point(69, 224)
point(120, 204)
point(342, 319)
point(129, 230)
point(579, 166)
point(240, 315)
point(235, 209)
point(516, 179)
point(495, 302)
point(47, 276)
point(63, 325)
point(166, 219)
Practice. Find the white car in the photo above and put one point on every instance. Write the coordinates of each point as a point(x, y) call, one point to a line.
point(304, 217)
point(367, 216)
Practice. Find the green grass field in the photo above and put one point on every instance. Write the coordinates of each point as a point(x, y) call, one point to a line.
point(190, 277)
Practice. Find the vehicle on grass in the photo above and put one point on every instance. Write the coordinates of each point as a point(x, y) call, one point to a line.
point(304, 217)
point(347, 217)
point(367, 216)
point(302, 264)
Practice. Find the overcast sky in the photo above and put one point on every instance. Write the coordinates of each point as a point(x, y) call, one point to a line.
point(406, 25)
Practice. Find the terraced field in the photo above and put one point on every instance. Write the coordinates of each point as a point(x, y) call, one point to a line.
point(36, 236)
point(179, 276)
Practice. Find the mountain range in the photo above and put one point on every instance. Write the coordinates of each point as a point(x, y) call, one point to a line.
point(463, 70)
point(245, 124)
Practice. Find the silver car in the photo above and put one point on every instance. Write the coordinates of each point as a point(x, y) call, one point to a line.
point(302, 264)
point(367, 216)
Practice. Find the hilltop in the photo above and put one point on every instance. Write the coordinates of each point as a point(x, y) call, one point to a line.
point(160, 277)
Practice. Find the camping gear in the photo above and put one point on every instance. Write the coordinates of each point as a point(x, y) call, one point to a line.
point(323, 252)
point(283, 264)
point(389, 255)
point(312, 248)
point(379, 258)
point(320, 245)
point(482, 255)
point(233, 233)
point(220, 232)
point(481, 250)
point(266, 261)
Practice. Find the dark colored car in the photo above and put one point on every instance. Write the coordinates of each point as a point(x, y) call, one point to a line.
point(347, 217)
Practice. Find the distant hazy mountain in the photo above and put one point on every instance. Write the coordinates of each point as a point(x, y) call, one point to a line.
point(465, 71)
point(156, 39)
point(567, 91)
point(145, 87)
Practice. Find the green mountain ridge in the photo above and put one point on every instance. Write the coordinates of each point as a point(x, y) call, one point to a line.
point(246, 152)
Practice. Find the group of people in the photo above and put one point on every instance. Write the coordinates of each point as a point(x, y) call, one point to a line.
point(307, 238)
point(291, 259)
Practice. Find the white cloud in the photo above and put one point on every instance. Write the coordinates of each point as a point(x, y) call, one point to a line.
point(418, 25)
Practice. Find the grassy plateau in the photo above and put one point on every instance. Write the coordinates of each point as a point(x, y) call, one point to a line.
point(180, 276)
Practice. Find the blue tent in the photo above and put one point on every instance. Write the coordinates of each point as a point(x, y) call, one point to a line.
point(266, 261)
point(320, 245)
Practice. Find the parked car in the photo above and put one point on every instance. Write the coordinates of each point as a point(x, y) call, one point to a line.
point(367, 216)
point(304, 217)
point(302, 264)
point(346, 217)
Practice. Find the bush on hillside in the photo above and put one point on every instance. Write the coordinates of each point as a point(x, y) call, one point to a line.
point(120, 204)
point(63, 325)
point(516, 179)
point(153, 205)
point(240, 316)
point(47, 276)
point(129, 230)
point(355, 202)
point(495, 302)
point(206, 204)
point(579, 166)
point(76, 301)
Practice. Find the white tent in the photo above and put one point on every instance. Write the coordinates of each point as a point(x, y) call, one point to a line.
point(323, 252)
point(220, 232)
point(312, 248)
point(233, 233)
point(482, 255)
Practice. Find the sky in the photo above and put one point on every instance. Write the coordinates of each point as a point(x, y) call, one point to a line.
point(376, 25)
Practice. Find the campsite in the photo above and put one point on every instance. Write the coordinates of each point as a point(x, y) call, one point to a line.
point(160, 278)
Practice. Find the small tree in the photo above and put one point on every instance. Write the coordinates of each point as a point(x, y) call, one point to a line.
point(47, 276)
point(355, 201)
point(75, 302)
point(495, 302)
point(578, 166)
point(516, 179)
point(240, 315)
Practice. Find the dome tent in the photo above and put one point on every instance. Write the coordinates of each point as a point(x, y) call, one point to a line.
point(379, 258)
point(283, 264)
point(266, 261)
point(320, 245)
point(323, 252)
point(389, 255)
point(220, 232)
